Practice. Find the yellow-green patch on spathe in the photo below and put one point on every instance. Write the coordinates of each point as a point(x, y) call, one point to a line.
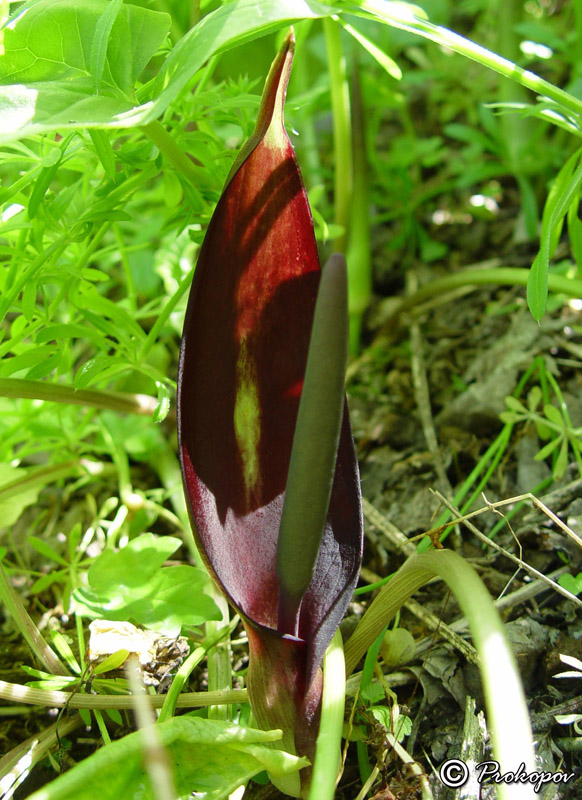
point(247, 421)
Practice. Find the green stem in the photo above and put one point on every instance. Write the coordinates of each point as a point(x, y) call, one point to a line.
point(177, 157)
point(183, 673)
point(131, 292)
point(219, 662)
point(38, 477)
point(342, 139)
point(21, 618)
point(63, 393)
point(164, 315)
point(358, 255)
point(403, 19)
point(508, 276)
point(56, 699)
point(48, 256)
point(328, 749)
point(506, 707)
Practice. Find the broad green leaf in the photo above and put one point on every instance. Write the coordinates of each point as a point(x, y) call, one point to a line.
point(134, 565)
point(131, 585)
point(13, 504)
point(50, 50)
point(40, 95)
point(211, 758)
point(177, 600)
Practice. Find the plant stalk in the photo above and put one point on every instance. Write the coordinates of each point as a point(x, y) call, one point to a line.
point(506, 708)
point(342, 138)
point(64, 393)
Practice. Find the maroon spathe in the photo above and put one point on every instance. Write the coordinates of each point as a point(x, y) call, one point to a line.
point(244, 351)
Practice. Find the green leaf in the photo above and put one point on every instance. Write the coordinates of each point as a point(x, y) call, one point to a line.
point(13, 504)
point(131, 585)
point(64, 650)
point(176, 600)
point(101, 40)
point(132, 566)
point(163, 406)
point(384, 60)
point(46, 550)
point(563, 193)
point(104, 150)
point(571, 583)
point(43, 92)
point(515, 405)
point(41, 186)
point(211, 759)
point(533, 398)
point(554, 415)
point(548, 449)
point(112, 662)
point(508, 417)
point(59, 53)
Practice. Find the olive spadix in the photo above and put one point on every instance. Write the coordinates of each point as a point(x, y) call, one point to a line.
point(314, 453)
point(281, 534)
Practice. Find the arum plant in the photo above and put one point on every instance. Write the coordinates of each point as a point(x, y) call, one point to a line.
point(267, 454)
point(269, 465)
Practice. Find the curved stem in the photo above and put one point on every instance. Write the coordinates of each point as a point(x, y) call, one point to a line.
point(508, 276)
point(506, 708)
point(405, 20)
point(63, 393)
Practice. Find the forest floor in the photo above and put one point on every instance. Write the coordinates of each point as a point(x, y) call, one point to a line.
point(426, 397)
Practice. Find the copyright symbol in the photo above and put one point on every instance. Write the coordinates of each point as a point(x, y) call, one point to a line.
point(454, 773)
